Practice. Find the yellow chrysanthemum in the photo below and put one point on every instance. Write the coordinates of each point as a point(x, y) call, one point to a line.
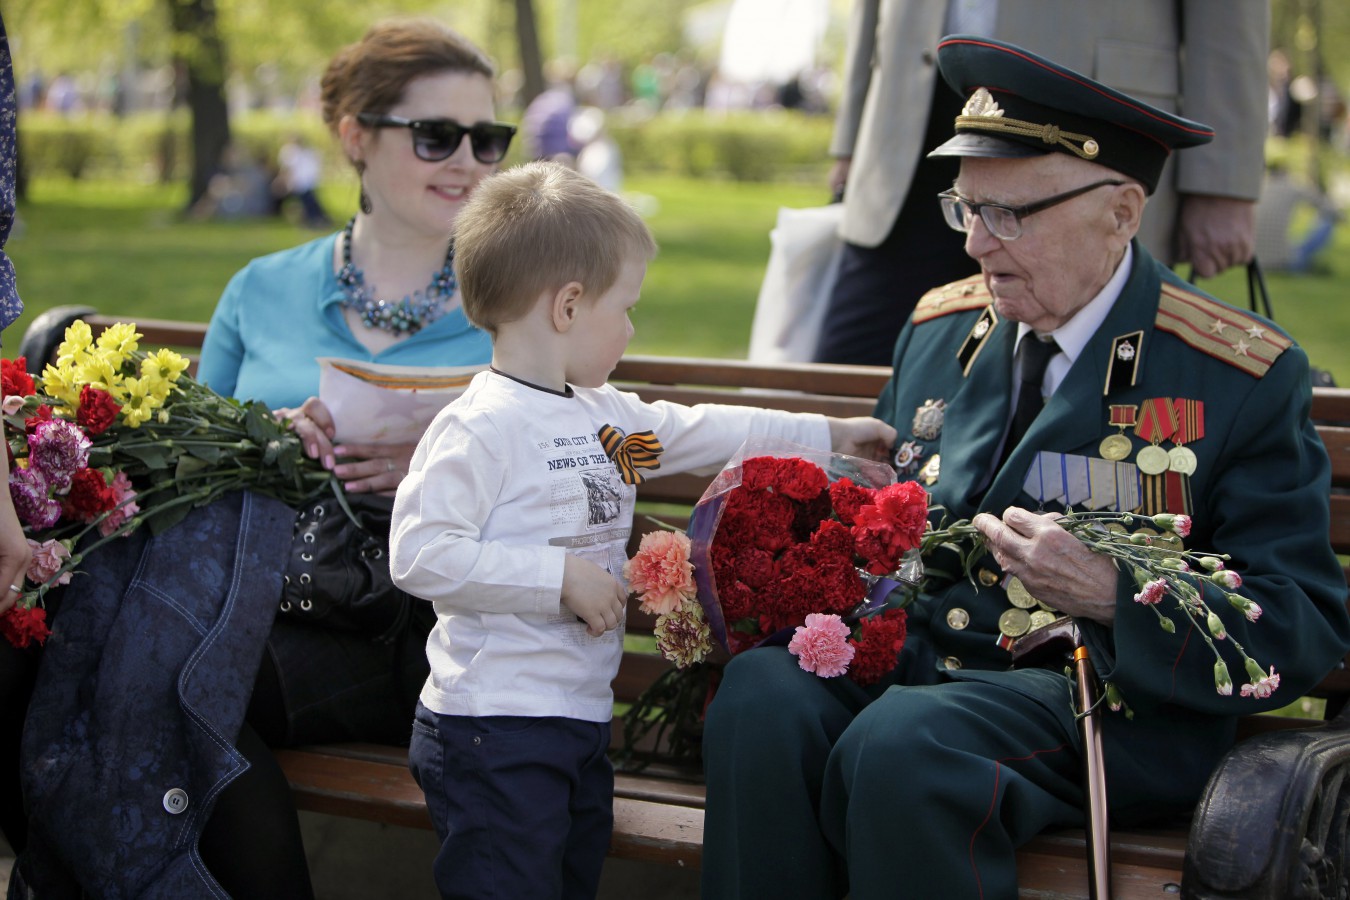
point(98, 371)
point(119, 339)
point(157, 386)
point(78, 339)
point(60, 383)
point(164, 363)
point(139, 404)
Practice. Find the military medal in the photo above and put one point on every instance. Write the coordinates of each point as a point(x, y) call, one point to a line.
point(1041, 618)
point(1018, 595)
point(957, 618)
point(1190, 416)
point(1156, 424)
point(1014, 622)
point(928, 420)
point(906, 458)
point(929, 473)
point(1117, 446)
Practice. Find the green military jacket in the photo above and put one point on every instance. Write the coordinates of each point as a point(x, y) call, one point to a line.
point(1259, 490)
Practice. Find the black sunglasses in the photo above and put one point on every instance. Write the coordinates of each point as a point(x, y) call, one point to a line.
point(436, 139)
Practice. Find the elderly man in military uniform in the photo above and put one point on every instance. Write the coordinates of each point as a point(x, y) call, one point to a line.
point(1074, 372)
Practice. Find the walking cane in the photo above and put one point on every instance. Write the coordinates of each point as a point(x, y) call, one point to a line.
point(1038, 648)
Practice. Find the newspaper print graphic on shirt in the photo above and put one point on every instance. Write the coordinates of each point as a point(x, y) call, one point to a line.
point(592, 512)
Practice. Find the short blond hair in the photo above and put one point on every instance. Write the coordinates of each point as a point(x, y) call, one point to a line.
point(531, 230)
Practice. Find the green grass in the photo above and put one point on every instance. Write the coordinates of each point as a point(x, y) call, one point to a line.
point(123, 249)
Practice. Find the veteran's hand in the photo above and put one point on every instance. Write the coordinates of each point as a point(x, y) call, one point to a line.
point(862, 436)
point(1055, 566)
point(593, 595)
point(372, 468)
point(1215, 233)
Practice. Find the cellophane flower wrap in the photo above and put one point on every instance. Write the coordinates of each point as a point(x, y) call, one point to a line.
point(110, 438)
point(802, 547)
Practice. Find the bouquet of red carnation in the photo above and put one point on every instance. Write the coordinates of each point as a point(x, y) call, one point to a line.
point(794, 546)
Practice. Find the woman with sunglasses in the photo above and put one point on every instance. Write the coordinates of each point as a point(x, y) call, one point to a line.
point(411, 104)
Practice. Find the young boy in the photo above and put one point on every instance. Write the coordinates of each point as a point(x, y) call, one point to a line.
point(514, 520)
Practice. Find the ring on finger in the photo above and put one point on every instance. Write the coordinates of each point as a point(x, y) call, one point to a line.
point(389, 465)
point(16, 588)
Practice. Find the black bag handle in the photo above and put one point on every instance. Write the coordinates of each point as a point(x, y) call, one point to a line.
point(1258, 295)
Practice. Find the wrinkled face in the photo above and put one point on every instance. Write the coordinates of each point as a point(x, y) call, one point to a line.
point(603, 329)
point(1065, 254)
point(427, 196)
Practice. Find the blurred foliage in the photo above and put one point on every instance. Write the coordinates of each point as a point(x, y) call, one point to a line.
point(751, 146)
point(288, 42)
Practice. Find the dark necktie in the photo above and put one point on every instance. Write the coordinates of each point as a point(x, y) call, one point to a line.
point(1035, 355)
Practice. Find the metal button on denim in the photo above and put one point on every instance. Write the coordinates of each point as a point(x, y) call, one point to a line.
point(175, 800)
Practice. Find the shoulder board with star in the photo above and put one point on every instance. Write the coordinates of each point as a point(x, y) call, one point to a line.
point(969, 293)
point(1219, 330)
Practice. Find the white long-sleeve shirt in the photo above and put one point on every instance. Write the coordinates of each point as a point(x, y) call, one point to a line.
point(508, 480)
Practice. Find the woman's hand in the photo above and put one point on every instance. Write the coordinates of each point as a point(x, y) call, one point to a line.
point(373, 468)
point(314, 424)
point(363, 468)
point(15, 554)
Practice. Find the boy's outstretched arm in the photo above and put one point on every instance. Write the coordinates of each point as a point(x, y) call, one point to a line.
point(862, 436)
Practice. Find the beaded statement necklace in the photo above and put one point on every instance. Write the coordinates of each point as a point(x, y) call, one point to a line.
point(406, 316)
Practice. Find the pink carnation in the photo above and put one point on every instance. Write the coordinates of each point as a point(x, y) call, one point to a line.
point(1263, 687)
point(821, 645)
point(48, 558)
point(1227, 578)
point(660, 572)
point(126, 507)
point(1153, 592)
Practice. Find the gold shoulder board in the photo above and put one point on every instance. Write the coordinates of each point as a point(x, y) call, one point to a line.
point(969, 293)
point(1219, 330)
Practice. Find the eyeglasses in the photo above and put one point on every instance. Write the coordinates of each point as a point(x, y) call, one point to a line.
point(436, 139)
point(1004, 222)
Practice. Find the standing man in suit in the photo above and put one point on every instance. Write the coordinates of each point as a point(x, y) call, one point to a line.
point(925, 784)
point(1204, 59)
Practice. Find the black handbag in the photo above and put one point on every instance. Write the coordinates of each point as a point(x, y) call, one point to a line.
point(337, 575)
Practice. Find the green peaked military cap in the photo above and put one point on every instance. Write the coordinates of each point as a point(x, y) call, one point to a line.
point(1020, 104)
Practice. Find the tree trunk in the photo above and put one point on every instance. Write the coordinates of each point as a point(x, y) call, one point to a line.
point(203, 56)
point(531, 60)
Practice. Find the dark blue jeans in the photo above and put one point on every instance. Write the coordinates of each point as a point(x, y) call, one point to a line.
point(523, 806)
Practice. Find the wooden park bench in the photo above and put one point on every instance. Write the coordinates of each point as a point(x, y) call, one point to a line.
point(1272, 823)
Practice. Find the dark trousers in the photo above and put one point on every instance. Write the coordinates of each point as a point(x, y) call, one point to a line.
point(877, 287)
point(818, 787)
point(524, 807)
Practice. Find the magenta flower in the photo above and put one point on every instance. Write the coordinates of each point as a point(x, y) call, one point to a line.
point(821, 645)
point(58, 449)
point(1153, 592)
point(1249, 608)
point(1263, 687)
point(1177, 524)
point(126, 505)
point(28, 490)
